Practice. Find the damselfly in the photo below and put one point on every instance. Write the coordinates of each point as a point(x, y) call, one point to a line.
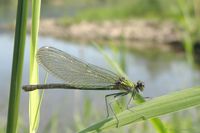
point(78, 74)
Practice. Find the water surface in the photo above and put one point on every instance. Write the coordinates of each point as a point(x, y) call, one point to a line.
point(161, 76)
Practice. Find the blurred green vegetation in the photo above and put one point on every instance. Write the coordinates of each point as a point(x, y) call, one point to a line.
point(116, 9)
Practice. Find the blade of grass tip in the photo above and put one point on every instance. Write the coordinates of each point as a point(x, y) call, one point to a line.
point(17, 66)
point(110, 61)
point(34, 100)
point(119, 50)
point(40, 101)
point(156, 107)
point(156, 122)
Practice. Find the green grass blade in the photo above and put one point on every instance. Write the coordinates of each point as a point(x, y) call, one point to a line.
point(153, 108)
point(158, 125)
point(112, 63)
point(34, 100)
point(17, 66)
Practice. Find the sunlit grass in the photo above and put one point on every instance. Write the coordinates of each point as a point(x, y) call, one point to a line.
point(34, 100)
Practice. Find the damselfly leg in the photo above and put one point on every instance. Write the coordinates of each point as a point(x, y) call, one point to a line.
point(115, 95)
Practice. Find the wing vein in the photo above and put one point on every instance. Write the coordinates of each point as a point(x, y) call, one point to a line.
point(74, 71)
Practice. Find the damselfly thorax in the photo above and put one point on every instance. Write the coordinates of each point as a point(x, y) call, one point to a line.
point(125, 85)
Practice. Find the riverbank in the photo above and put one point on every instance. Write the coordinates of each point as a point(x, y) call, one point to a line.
point(138, 34)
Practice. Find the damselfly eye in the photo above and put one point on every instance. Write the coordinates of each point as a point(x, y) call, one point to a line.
point(140, 85)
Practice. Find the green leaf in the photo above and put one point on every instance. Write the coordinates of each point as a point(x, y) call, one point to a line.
point(17, 66)
point(153, 108)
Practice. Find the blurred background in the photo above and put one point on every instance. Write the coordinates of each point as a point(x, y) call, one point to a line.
point(153, 41)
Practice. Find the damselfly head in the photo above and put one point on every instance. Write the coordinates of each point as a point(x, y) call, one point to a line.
point(140, 85)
